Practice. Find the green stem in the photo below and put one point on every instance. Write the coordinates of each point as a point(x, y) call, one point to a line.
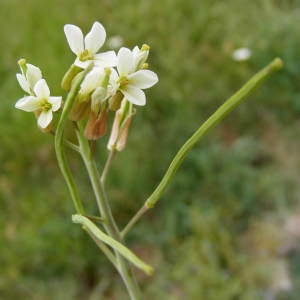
point(209, 124)
point(104, 248)
point(135, 218)
point(105, 211)
point(59, 143)
point(107, 166)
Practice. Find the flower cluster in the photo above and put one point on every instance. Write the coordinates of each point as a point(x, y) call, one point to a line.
point(115, 83)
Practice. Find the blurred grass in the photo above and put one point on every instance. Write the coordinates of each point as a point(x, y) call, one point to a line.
point(246, 173)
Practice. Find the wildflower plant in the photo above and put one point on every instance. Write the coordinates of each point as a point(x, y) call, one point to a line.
point(101, 85)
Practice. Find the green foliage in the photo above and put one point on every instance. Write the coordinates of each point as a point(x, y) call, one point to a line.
point(239, 185)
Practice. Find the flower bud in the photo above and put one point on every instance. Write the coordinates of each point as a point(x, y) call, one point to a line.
point(115, 101)
point(98, 99)
point(121, 143)
point(80, 110)
point(96, 125)
point(141, 56)
point(66, 82)
point(121, 125)
point(114, 131)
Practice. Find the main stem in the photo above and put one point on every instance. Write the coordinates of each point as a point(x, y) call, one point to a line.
point(105, 211)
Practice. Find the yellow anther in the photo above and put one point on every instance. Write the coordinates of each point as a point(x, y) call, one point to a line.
point(45, 105)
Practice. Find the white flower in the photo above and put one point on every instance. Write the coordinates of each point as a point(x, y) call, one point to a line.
point(115, 42)
point(241, 54)
point(42, 103)
point(132, 82)
point(94, 79)
point(86, 48)
point(29, 78)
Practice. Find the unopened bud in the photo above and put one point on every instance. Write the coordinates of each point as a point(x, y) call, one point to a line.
point(96, 125)
point(114, 131)
point(121, 125)
point(98, 99)
point(115, 101)
point(105, 81)
point(66, 82)
point(121, 143)
point(80, 110)
point(142, 57)
point(145, 47)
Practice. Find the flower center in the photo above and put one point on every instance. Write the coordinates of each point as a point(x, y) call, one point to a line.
point(85, 55)
point(44, 104)
point(123, 81)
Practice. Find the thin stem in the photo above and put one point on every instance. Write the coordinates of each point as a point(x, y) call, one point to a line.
point(209, 124)
point(104, 249)
point(72, 146)
point(59, 143)
point(95, 219)
point(105, 211)
point(134, 219)
point(67, 143)
point(107, 166)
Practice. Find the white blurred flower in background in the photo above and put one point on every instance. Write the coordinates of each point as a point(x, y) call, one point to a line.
point(241, 54)
point(115, 42)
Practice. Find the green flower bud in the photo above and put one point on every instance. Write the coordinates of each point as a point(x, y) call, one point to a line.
point(66, 82)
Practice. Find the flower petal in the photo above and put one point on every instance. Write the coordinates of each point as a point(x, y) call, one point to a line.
point(125, 62)
point(28, 103)
point(56, 102)
point(92, 80)
point(74, 37)
point(95, 38)
point(82, 64)
point(143, 79)
point(134, 95)
point(23, 83)
point(33, 75)
point(106, 59)
point(41, 89)
point(45, 118)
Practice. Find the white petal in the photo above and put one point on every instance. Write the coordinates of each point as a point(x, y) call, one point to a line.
point(23, 83)
point(125, 62)
point(134, 95)
point(45, 118)
point(82, 64)
point(33, 75)
point(92, 80)
point(113, 82)
point(95, 38)
point(75, 38)
point(28, 103)
point(135, 51)
point(143, 79)
point(56, 102)
point(41, 89)
point(106, 59)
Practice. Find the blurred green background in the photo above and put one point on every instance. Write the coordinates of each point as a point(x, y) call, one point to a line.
point(229, 225)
